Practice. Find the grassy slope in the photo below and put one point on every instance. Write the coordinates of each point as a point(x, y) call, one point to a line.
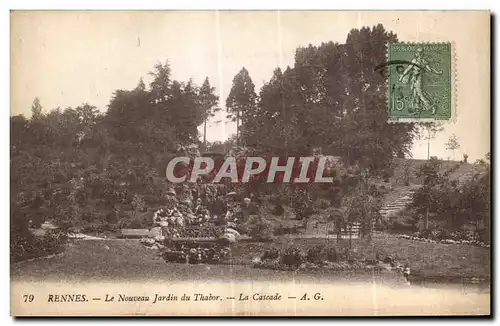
point(414, 165)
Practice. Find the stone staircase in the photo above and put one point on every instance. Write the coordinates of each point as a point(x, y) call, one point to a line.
point(396, 201)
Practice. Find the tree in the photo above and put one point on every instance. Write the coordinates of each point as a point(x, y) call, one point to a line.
point(160, 85)
point(453, 202)
point(18, 131)
point(277, 116)
point(332, 98)
point(423, 198)
point(141, 86)
point(453, 144)
point(137, 203)
point(407, 172)
point(367, 138)
point(241, 100)
point(36, 109)
point(208, 102)
point(430, 129)
point(184, 112)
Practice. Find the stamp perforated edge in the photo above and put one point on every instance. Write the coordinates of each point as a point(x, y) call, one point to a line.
point(453, 87)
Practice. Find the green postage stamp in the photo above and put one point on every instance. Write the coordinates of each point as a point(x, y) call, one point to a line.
point(420, 84)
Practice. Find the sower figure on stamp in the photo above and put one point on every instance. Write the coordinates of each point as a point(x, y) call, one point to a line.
point(413, 76)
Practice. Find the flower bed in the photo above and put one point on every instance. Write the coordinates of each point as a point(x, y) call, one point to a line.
point(206, 231)
point(445, 237)
point(196, 253)
point(324, 258)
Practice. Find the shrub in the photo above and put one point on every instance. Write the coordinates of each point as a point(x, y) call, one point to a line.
point(323, 203)
point(260, 229)
point(444, 234)
point(278, 210)
point(111, 217)
point(28, 246)
point(270, 254)
point(330, 254)
point(292, 257)
point(484, 235)
point(350, 256)
point(401, 225)
point(137, 224)
point(315, 254)
point(302, 204)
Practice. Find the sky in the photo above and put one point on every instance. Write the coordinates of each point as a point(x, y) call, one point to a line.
point(67, 58)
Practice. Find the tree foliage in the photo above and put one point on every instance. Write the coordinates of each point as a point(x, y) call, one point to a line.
point(332, 98)
point(453, 144)
point(241, 102)
point(453, 202)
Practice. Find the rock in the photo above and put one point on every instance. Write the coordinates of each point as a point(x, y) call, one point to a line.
point(154, 247)
point(228, 237)
point(233, 231)
point(256, 261)
point(382, 267)
point(159, 238)
point(147, 242)
point(160, 246)
point(154, 232)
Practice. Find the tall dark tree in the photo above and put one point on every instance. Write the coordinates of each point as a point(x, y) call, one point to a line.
point(241, 100)
point(277, 116)
point(160, 85)
point(18, 131)
point(184, 111)
point(208, 104)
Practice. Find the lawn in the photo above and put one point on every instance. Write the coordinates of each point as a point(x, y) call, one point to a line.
point(128, 259)
point(426, 260)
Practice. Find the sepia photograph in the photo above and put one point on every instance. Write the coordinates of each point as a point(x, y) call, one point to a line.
point(250, 163)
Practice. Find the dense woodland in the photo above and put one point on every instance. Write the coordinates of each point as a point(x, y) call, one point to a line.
point(75, 165)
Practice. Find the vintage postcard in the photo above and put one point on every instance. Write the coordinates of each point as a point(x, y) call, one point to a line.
point(250, 163)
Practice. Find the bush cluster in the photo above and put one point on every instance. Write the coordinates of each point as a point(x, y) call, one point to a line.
point(26, 246)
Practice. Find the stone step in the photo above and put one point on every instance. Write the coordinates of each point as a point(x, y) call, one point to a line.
point(397, 204)
point(393, 207)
